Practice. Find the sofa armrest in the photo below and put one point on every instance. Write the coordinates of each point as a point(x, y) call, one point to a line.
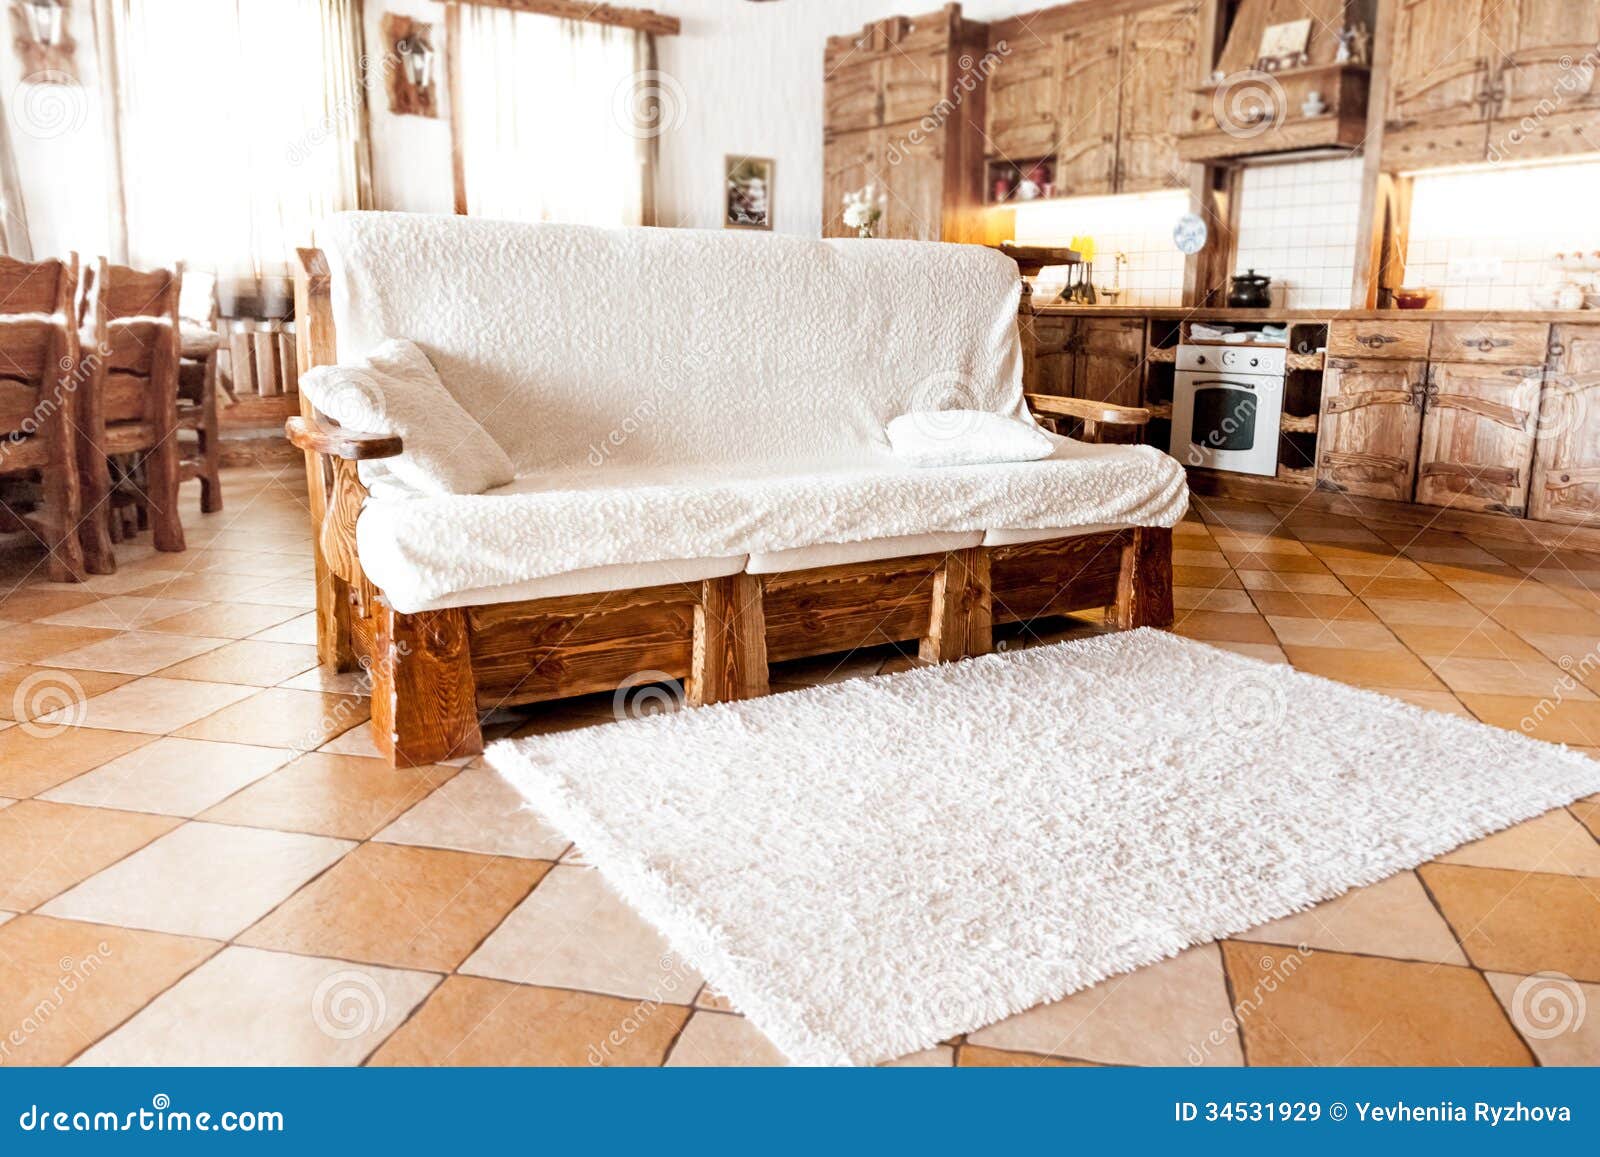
point(351, 445)
point(1055, 406)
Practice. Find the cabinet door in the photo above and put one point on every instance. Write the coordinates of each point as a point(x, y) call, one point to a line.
point(1566, 471)
point(1023, 98)
point(913, 84)
point(1048, 369)
point(1086, 126)
point(1158, 62)
point(1477, 436)
point(1440, 70)
point(1546, 68)
point(849, 162)
point(1371, 419)
point(911, 174)
point(1106, 360)
point(852, 96)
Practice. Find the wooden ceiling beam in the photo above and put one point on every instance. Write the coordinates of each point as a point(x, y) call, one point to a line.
point(640, 19)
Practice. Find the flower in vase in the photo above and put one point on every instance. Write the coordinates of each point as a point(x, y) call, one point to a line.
point(863, 209)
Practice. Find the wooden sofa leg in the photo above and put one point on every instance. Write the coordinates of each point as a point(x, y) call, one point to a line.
point(334, 647)
point(1144, 585)
point(961, 612)
point(730, 641)
point(424, 698)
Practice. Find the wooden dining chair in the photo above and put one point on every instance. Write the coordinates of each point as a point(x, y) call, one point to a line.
point(39, 375)
point(129, 406)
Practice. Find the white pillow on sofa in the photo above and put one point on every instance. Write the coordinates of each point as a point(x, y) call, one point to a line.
point(396, 390)
point(965, 438)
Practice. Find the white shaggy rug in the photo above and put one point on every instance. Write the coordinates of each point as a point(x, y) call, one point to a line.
point(869, 867)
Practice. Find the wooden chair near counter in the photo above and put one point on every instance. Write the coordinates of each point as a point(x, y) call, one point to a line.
point(128, 409)
point(38, 377)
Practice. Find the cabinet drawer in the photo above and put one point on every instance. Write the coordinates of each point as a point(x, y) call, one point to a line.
point(1511, 343)
point(1378, 339)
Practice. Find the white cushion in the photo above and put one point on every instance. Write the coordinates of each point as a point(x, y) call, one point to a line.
point(872, 550)
point(1017, 535)
point(965, 438)
point(424, 548)
point(592, 581)
point(394, 390)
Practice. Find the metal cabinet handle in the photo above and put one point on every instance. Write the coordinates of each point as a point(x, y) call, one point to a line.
point(1557, 349)
point(1376, 340)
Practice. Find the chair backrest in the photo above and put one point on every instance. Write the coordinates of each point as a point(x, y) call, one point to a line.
point(38, 353)
point(580, 348)
point(134, 318)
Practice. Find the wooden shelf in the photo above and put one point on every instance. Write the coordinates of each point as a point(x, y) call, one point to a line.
point(1290, 424)
point(1301, 72)
point(1168, 354)
point(1328, 131)
point(1160, 410)
point(1298, 475)
point(1305, 361)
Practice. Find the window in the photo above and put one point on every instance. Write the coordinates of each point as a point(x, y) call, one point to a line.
point(239, 126)
point(545, 129)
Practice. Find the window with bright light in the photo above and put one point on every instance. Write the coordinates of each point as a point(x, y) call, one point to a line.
point(238, 127)
point(546, 128)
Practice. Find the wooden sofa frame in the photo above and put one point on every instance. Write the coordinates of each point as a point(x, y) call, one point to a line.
point(434, 672)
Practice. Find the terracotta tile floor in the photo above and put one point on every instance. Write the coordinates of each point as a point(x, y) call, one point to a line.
point(179, 886)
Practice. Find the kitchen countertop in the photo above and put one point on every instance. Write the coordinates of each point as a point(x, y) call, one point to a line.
point(1214, 313)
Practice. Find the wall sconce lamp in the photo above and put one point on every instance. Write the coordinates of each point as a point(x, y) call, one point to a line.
point(418, 57)
point(413, 77)
point(45, 21)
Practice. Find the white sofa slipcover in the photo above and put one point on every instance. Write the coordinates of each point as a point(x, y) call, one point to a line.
point(674, 396)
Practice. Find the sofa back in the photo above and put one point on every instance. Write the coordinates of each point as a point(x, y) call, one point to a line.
point(581, 348)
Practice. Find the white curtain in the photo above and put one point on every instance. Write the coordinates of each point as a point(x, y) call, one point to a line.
point(547, 129)
point(240, 124)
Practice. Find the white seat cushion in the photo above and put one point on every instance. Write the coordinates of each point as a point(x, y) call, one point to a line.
point(1017, 535)
point(421, 549)
point(872, 550)
point(594, 580)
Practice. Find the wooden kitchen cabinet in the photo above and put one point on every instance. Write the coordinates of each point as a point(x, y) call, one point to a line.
point(1477, 439)
point(1474, 80)
point(1105, 96)
point(1158, 65)
point(1091, 70)
point(1106, 353)
point(1024, 96)
point(1566, 470)
point(1370, 426)
point(897, 116)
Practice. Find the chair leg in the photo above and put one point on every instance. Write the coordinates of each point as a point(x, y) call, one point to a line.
point(210, 447)
point(63, 504)
point(162, 467)
point(94, 525)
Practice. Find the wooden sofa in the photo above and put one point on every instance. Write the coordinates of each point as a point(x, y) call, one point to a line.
point(434, 672)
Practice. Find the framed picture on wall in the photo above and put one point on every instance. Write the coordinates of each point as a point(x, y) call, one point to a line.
point(749, 193)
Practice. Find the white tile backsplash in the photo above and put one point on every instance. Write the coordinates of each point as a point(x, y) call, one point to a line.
point(1298, 225)
point(1483, 239)
point(1138, 225)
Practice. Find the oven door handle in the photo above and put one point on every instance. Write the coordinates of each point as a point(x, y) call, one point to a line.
point(1219, 383)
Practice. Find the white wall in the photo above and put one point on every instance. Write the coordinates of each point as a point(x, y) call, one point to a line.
point(750, 79)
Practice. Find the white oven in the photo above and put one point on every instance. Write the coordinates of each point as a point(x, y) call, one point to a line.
point(1226, 405)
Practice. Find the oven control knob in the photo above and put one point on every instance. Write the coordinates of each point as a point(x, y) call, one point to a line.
point(1255, 361)
point(1201, 360)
